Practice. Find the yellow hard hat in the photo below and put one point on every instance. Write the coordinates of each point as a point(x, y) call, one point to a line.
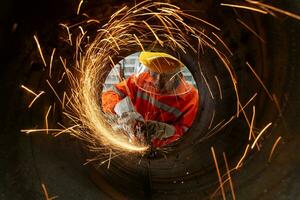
point(160, 62)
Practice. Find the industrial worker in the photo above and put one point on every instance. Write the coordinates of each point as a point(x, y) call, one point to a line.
point(157, 96)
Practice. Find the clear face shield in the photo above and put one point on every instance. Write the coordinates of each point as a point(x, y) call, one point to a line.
point(165, 84)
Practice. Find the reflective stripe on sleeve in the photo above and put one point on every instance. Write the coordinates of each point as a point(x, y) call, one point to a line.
point(158, 104)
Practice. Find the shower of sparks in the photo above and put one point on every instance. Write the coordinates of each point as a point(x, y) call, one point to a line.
point(46, 193)
point(229, 177)
point(218, 172)
point(260, 134)
point(273, 148)
point(145, 26)
point(40, 49)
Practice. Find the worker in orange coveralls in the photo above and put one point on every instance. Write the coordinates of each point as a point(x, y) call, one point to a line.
point(157, 96)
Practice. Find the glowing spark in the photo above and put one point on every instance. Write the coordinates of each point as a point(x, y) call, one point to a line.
point(40, 50)
point(229, 177)
point(251, 99)
point(273, 148)
point(247, 120)
point(54, 91)
point(212, 119)
point(68, 31)
point(193, 17)
point(46, 119)
point(157, 38)
point(51, 60)
point(218, 172)
point(244, 7)
point(28, 90)
point(260, 134)
point(35, 98)
point(238, 165)
point(139, 42)
point(93, 20)
point(210, 92)
point(251, 125)
point(295, 16)
point(39, 130)
point(219, 86)
point(46, 193)
point(250, 29)
point(223, 43)
point(108, 165)
point(67, 130)
point(232, 75)
point(260, 81)
point(79, 6)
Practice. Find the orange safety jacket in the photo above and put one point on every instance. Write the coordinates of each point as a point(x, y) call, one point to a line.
point(176, 110)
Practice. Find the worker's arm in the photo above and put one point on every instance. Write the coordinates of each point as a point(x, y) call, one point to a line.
point(171, 132)
point(115, 94)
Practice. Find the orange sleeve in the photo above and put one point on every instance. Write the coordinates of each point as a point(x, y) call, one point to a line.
point(113, 95)
point(184, 122)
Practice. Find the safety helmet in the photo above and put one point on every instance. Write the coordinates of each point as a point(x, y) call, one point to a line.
point(160, 62)
point(160, 74)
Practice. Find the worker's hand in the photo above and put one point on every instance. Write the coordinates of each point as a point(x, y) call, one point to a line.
point(132, 123)
point(158, 130)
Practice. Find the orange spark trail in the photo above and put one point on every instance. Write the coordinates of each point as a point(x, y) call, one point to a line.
point(223, 43)
point(219, 86)
point(218, 172)
point(229, 177)
point(245, 7)
point(46, 119)
point(46, 193)
point(260, 81)
point(273, 148)
point(51, 60)
point(260, 134)
point(54, 91)
point(295, 16)
point(28, 90)
point(37, 96)
point(40, 49)
point(251, 125)
point(79, 6)
point(250, 29)
point(212, 119)
point(239, 164)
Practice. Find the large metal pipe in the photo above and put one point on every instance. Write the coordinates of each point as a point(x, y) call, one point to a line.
point(188, 172)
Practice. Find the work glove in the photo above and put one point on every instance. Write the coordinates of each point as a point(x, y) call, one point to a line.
point(158, 130)
point(132, 124)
